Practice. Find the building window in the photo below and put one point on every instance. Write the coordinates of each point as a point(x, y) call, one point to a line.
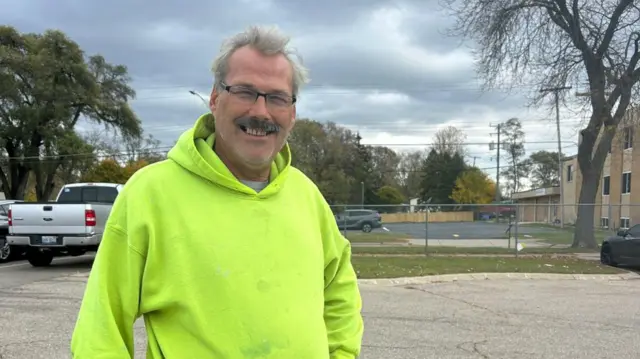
point(569, 173)
point(604, 222)
point(624, 223)
point(606, 185)
point(628, 138)
point(626, 183)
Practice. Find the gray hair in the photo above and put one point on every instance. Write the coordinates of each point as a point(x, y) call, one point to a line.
point(267, 40)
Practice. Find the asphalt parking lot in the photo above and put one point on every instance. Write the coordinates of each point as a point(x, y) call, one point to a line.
point(462, 230)
point(477, 319)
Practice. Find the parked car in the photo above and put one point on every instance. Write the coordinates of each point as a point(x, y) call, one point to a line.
point(72, 225)
point(7, 251)
point(623, 248)
point(363, 219)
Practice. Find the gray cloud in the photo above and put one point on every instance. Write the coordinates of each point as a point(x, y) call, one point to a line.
point(376, 66)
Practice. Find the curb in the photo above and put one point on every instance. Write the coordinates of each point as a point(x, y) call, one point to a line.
point(447, 278)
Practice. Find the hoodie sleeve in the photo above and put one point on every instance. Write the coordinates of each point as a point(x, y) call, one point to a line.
point(110, 307)
point(342, 301)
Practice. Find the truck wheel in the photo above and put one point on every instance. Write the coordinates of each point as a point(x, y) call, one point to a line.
point(39, 258)
point(5, 253)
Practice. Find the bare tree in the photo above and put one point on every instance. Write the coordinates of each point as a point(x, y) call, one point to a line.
point(450, 140)
point(410, 172)
point(123, 148)
point(146, 148)
point(513, 143)
point(551, 43)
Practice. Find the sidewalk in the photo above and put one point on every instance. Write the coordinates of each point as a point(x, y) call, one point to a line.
point(501, 243)
point(465, 277)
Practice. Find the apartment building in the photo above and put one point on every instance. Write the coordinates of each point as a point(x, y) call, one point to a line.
point(617, 204)
point(538, 205)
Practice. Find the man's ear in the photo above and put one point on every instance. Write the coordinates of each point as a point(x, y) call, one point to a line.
point(213, 99)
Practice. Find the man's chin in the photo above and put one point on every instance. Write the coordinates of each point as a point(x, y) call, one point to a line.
point(257, 161)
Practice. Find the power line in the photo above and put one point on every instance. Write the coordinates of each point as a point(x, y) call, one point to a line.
point(346, 88)
point(162, 149)
point(498, 128)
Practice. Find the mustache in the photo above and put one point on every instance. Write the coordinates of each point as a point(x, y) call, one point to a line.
point(255, 123)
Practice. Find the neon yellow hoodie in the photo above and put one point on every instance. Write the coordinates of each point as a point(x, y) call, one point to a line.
point(217, 270)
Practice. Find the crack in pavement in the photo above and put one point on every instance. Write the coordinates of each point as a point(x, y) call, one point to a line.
point(403, 347)
point(401, 318)
point(579, 321)
point(474, 348)
point(471, 304)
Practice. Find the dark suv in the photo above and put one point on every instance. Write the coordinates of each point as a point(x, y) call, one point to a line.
point(363, 219)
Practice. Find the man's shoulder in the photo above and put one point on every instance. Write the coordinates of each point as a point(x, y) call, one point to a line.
point(304, 184)
point(302, 179)
point(155, 175)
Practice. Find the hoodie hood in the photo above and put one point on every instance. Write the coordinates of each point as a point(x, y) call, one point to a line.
point(194, 152)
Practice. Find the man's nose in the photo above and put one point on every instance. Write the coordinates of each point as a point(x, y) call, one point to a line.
point(259, 108)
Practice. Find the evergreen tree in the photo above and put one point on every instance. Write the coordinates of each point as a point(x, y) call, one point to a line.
point(439, 173)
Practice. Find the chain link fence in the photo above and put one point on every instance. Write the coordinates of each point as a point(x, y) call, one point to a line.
point(516, 226)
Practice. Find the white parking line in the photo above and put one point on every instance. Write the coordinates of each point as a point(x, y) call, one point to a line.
point(25, 263)
point(13, 265)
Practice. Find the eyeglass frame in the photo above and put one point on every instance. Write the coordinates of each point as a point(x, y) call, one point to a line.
point(291, 99)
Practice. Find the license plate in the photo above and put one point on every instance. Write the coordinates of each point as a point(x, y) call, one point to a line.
point(49, 240)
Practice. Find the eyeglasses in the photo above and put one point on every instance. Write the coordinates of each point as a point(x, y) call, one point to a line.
point(249, 96)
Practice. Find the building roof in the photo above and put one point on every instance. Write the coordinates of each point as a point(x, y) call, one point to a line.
point(537, 192)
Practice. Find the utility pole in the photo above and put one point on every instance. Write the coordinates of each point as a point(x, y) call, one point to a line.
point(556, 92)
point(498, 128)
point(362, 195)
point(497, 194)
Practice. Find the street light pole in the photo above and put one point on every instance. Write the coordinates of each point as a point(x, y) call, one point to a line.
point(362, 194)
point(200, 97)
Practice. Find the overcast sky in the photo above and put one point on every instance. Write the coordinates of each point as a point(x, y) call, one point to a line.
point(381, 67)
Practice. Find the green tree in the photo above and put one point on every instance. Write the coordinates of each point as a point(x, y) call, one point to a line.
point(544, 169)
point(74, 165)
point(65, 157)
point(473, 187)
point(439, 174)
point(552, 43)
point(321, 152)
point(390, 195)
point(362, 169)
point(386, 197)
point(385, 167)
point(46, 86)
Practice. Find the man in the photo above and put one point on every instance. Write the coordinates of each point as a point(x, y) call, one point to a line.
point(225, 249)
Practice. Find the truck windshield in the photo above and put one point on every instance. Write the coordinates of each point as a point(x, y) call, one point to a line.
point(89, 194)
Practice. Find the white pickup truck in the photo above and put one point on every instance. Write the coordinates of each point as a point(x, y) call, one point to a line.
point(71, 225)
